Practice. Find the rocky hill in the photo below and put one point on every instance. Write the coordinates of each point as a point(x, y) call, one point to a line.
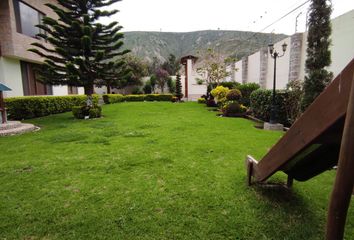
point(228, 43)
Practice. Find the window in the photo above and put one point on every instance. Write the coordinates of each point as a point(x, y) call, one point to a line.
point(30, 84)
point(72, 90)
point(27, 18)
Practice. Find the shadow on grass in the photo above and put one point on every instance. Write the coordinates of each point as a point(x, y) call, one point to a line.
point(285, 214)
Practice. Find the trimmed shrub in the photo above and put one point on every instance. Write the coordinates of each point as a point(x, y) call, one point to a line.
point(31, 107)
point(234, 95)
point(80, 112)
point(246, 90)
point(230, 85)
point(201, 100)
point(116, 98)
point(158, 97)
point(211, 103)
point(261, 101)
point(112, 98)
point(134, 98)
point(219, 93)
point(233, 109)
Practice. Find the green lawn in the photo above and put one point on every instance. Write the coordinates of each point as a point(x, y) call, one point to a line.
point(151, 171)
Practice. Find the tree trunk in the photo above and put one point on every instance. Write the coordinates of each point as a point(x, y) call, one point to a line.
point(88, 92)
point(108, 89)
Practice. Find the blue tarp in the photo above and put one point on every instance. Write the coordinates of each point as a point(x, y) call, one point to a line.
point(4, 88)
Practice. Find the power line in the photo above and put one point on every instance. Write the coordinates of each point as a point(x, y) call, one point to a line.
point(276, 21)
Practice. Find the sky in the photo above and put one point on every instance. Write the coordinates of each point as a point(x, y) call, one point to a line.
point(194, 15)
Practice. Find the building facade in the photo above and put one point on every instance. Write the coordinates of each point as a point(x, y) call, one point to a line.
point(259, 66)
point(18, 19)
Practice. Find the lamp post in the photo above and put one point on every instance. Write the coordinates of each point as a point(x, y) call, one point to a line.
point(274, 54)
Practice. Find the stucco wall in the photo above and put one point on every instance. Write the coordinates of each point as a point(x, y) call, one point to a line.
point(342, 48)
point(254, 68)
point(10, 75)
point(238, 74)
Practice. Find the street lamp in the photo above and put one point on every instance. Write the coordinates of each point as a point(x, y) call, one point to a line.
point(274, 54)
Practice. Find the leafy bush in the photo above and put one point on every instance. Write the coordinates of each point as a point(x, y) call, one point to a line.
point(80, 112)
point(147, 87)
point(112, 98)
point(31, 107)
point(230, 85)
point(211, 103)
point(233, 95)
point(159, 97)
point(233, 109)
point(261, 101)
point(134, 98)
point(137, 90)
point(246, 90)
point(116, 98)
point(219, 93)
point(201, 100)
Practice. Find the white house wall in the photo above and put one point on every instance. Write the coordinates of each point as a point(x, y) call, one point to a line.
point(238, 74)
point(342, 48)
point(10, 75)
point(254, 68)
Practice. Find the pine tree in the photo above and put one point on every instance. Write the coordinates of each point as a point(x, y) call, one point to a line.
point(83, 50)
point(318, 53)
point(178, 93)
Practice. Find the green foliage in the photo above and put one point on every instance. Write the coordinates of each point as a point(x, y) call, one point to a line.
point(178, 93)
point(318, 52)
point(80, 112)
point(113, 98)
point(147, 87)
point(32, 107)
point(137, 90)
point(293, 107)
point(246, 90)
point(230, 85)
point(85, 51)
point(162, 77)
point(172, 65)
point(116, 98)
point(171, 84)
point(233, 109)
point(284, 100)
point(219, 93)
point(201, 100)
point(138, 69)
point(233, 95)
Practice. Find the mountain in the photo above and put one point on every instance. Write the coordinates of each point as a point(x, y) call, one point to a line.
point(228, 43)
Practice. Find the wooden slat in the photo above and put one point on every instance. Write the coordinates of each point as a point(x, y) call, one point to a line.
point(329, 107)
point(344, 182)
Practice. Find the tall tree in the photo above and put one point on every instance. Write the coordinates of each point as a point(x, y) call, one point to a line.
point(162, 77)
point(214, 67)
point(178, 93)
point(83, 49)
point(172, 65)
point(138, 69)
point(318, 53)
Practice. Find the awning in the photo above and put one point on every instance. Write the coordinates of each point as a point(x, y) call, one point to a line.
point(4, 88)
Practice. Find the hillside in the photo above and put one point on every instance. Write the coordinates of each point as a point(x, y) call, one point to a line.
point(228, 43)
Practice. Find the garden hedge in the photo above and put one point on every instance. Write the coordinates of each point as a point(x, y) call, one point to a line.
point(115, 98)
point(260, 103)
point(19, 108)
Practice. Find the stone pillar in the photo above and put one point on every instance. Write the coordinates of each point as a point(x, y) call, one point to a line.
point(295, 56)
point(244, 69)
point(264, 67)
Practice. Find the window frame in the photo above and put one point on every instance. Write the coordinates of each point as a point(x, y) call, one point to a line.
point(40, 16)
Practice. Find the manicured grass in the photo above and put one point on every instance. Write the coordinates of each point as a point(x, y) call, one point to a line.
point(151, 171)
